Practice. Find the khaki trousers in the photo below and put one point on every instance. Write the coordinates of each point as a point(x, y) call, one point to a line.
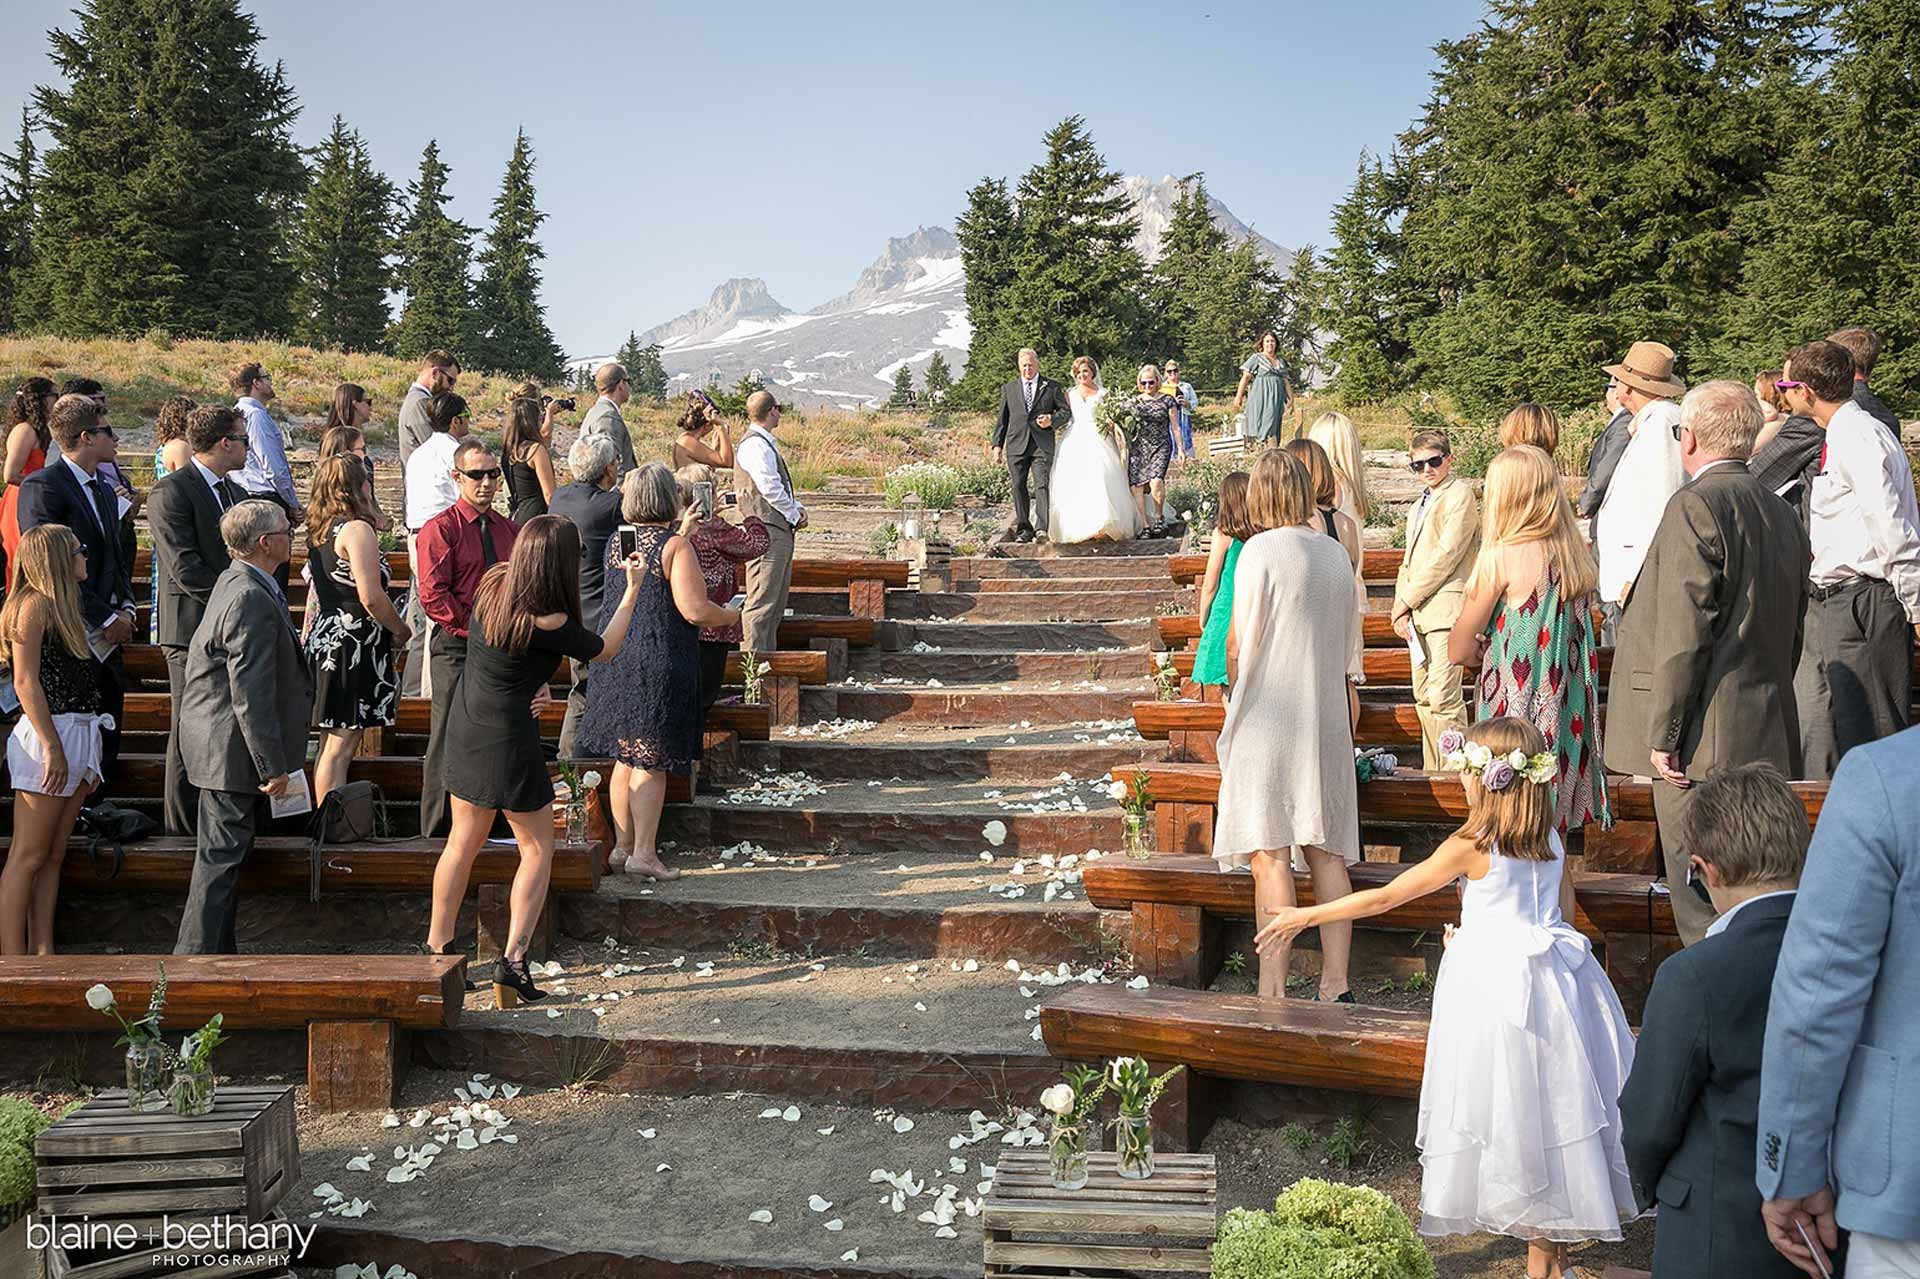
point(768, 580)
point(1437, 696)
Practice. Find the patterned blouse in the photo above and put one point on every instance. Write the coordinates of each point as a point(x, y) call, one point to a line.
point(721, 549)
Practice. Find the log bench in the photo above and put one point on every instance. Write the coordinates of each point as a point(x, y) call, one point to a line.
point(356, 1009)
point(279, 864)
point(865, 581)
point(1179, 902)
point(1192, 728)
point(1377, 565)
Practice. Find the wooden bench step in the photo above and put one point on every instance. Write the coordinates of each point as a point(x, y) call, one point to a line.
point(147, 663)
point(1348, 1047)
point(152, 713)
point(252, 992)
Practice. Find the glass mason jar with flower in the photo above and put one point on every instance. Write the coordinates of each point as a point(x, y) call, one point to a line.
point(193, 1084)
point(1136, 1090)
point(1071, 1104)
point(1136, 805)
point(146, 1052)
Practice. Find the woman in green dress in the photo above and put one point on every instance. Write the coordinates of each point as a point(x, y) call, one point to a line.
point(1216, 589)
point(1264, 390)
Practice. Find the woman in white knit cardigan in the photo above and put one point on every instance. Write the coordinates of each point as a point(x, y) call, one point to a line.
point(1649, 471)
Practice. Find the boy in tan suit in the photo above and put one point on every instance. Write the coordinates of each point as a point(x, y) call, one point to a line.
point(1443, 532)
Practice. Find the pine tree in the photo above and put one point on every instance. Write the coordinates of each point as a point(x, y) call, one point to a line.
point(648, 373)
point(16, 228)
point(1367, 353)
point(939, 380)
point(902, 387)
point(987, 232)
point(162, 200)
point(1211, 298)
point(630, 354)
point(1572, 183)
point(1078, 283)
point(1834, 241)
point(435, 260)
point(339, 248)
point(511, 333)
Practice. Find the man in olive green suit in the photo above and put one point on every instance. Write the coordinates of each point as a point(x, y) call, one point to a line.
point(1703, 671)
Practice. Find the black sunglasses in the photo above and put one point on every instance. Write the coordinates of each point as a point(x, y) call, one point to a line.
point(481, 477)
point(1420, 464)
point(235, 439)
point(100, 430)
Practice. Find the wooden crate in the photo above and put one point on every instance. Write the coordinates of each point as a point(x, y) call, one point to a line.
point(1164, 1224)
point(145, 1263)
point(105, 1163)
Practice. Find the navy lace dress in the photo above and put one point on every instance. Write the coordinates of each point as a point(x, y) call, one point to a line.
point(643, 707)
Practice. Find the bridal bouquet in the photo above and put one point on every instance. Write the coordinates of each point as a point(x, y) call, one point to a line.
point(1120, 415)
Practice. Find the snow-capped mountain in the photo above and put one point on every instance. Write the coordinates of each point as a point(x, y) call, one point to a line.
point(909, 303)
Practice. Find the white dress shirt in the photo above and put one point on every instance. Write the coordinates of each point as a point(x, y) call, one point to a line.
point(1862, 518)
point(1649, 473)
point(86, 487)
point(429, 479)
point(755, 454)
point(213, 482)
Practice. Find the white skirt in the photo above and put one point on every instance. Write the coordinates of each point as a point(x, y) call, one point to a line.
point(80, 738)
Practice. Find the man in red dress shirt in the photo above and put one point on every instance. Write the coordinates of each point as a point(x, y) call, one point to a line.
point(455, 547)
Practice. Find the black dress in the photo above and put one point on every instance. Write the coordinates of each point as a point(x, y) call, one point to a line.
point(1151, 451)
point(501, 765)
point(350, 654)
point(643, 706)
point(524, 498)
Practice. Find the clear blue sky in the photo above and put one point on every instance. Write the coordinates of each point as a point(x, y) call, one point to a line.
point(682, 144)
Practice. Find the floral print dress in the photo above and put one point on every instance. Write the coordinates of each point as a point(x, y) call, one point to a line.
point(1543, 666)
point(350, 653)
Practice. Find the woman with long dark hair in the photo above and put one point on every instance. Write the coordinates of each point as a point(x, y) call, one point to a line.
point(28, 439)
point(353, 627)
point(526, 453)
point(345, 432)
point(53, 756)
point(526, 617)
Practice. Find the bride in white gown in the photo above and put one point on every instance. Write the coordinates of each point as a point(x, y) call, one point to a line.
point(1089, 494)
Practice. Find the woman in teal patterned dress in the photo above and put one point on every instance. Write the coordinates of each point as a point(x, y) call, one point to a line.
point(1527, 622)
point(1216, 589)
point(1264, 391)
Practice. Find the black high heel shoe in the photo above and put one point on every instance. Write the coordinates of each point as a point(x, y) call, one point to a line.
point(466, 970)
point(513, 984)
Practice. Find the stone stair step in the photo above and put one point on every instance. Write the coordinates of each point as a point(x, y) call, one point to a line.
point(1112, 567)
point(913, 905)
point(958, 666)
point(972, 706)
point(1018, 637)
point(1031, 585)
point(1032, 757)
point(1037, 606)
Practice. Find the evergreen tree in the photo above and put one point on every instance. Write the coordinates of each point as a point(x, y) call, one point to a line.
point(1836, 241)
point(986, 233)
point(1368, 349)
point(648, 373)
point(1212, 298)
point(902, 387)
point(939, 380)
point(16, 228)
point(511, 330)
point(630, 354)
point(435, 258)
point(162, 198)
point(339, 248)
point(1573, 181)
point(1078, 283)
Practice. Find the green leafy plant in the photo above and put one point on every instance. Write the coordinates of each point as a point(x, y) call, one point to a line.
point(937, 485)
point(1348, 1140)
point(145, 1030)
point(1299, 1138)
point(1134, 1088)
point(1236, 963)
point(880, 542)
point(986, 480)
point(753, 671)
point(196, 1050)
point(1321, 1230)
point(20, 1122)
point(1420, 983)
point(1166, 677)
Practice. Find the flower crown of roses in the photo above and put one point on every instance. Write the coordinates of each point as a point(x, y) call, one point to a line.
point(1496, 772)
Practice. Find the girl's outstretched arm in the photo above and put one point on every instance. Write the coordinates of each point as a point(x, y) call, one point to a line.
point(1451, 860)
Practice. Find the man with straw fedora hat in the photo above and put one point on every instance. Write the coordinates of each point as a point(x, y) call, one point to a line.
point(1647, 475)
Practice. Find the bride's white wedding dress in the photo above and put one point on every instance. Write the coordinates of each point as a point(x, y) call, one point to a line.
point(1088, 494)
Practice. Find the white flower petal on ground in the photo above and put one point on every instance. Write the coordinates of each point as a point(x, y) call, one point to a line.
point(649, 1133)
point(553, 1014)
point(902, 1124)
point(390, 1120)
point(825, 1132)
point(360, 1163)
point(401, 1173)
point(851, 1254)
point(771, 1112)
point(325, 1190)
point(762, 1215)
point(791, 1114)
point(836, 1225)
point(919, 1008)
point(994, 832)
point(663, 1167)
point(467, 1140)
point(419, 1117)
point(509, 1091)
point(1138, 983)
point(1036, 1031)
point(946, 1232)
point(817, 1204)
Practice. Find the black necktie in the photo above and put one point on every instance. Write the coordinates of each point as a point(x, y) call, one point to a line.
point(1026, 392)
point(103, 506)
point(487, 556)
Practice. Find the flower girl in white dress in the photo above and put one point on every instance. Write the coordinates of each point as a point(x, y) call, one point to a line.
point(1528, 1047)
point(1089, 485)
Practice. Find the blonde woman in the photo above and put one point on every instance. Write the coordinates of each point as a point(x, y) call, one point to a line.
point(1287, 792)
point(53, 755)
point(1343, 529)
point(1529, 609)
point(1534, 424)
point(1336, 433)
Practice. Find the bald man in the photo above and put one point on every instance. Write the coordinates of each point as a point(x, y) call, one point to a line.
point(604, 420)
point(766, 490)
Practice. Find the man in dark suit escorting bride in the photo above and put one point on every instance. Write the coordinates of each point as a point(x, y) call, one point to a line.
point(1023, 439)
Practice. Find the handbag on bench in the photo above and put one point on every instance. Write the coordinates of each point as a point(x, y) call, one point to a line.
point(348, 815)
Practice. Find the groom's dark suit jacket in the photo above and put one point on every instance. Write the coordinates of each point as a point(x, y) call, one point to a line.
point(1015, 431)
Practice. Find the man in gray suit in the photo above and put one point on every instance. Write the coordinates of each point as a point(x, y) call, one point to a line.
point(248, 697)
point(603, 419)
point(1839, 1101)
point(1703, 673)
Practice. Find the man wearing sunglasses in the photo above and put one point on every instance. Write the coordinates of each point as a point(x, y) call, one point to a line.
point(604, 420)
point(1647, 474)
point(456, 547)
point(1855, 681)
point(1443, 532)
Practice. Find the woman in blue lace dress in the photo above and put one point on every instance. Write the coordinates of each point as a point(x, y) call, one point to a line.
point(643, 709)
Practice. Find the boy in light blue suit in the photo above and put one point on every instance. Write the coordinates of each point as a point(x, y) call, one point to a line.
point(1839, 1132)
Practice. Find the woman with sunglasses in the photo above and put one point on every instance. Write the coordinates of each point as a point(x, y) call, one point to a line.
point(28, 440)
point(1151, 450)
point(704, 439)
point(345, 433)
